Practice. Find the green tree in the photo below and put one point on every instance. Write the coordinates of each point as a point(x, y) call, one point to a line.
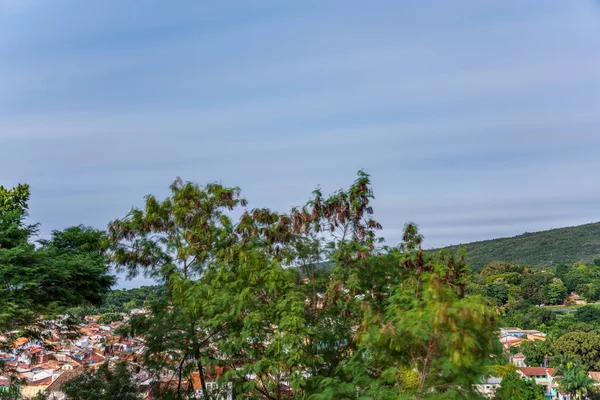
point(67, 270)
point(583, 345)
point(589, 314)
point(590, 291)
point(109, 318)
point(576, 382)
point(556, 292)
point(107, 383)
point(229, 293)
point(431, 327)
point(499, 267)
point(529, 317)
point(276, 299)
point(578, 275)
point(498, 292)
point(533, 288)
point(535, 351)
point(513, 387)
point(177, 241)
point(561, 271)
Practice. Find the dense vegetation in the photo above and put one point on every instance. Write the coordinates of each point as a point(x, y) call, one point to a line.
point(69, 269)
point(250, 295)
point(539, 249)
point(121, 301)
point(381, 323)
point(116, 382)
point(573, 331)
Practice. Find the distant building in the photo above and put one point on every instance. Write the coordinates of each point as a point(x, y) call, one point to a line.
point(489, 387)
point(543, 377)
point(54, 391)
point(574, 298)
point(518, 360)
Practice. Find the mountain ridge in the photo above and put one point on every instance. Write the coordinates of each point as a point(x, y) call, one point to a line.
point(566, 245)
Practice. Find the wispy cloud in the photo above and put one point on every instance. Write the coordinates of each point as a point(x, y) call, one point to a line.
point(476, 120)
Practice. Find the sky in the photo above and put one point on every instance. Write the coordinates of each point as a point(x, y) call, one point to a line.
point(475, 119)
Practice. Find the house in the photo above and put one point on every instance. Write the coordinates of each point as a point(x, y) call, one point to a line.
point(536, 336)
point(216, 391)
point(83, 342)
point(543, 377)
point(518, 360)
point(489, 387)
point(574, 298)
point(54, 391)
point(222, 391)
point(595, 375)
point(7, 357)
point(32, 387)
point(510, 341)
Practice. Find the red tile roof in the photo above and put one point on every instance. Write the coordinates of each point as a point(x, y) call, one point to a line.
point(530, 371)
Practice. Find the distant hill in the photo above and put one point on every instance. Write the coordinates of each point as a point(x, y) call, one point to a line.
point(539, 249)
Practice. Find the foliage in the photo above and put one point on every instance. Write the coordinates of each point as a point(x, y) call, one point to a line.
point(539, 249)
point(124, 300)
point(501, 370)
point(431, 327)
point(513, 387)
point(577, 276)
point(533, 288)
point(575, 381)
point(496, 268)
point(589, 314)
point(498, 292)
point(232, 301)
point(582, 345)
point(556, 292)
point(109, 318)
point(535, 352)
point(67, 270)
point(528, 317)
point(104, 384)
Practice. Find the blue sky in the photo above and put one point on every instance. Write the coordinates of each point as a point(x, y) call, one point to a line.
point(475, 119)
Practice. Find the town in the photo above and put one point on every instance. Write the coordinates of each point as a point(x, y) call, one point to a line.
point(32, 367)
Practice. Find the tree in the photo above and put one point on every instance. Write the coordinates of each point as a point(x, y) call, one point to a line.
point(535, 352)
point(562, 270)
point(67, 270)
point(513, 387)
point(109, 318)
point(228, 286)
point(576, 382)
point(578, 275)
point(590, 291)
point(430, 326)
point(276, 300)
point(499, 267)
point(583, 345)
point(556, 292)
point(177, 241)
point(529, 317)
point(533, 288)
point(589, 314)
point(104, 384)
point(498, 292)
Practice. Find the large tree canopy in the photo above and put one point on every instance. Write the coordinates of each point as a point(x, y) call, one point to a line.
point(301, 304)
point(69, 269)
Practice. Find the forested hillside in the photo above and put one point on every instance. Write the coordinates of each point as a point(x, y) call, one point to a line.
point(539, 249)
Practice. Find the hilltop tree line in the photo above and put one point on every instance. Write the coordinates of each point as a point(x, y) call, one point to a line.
point(307, 304)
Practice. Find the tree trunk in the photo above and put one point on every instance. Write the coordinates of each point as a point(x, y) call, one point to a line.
point(201, 372)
